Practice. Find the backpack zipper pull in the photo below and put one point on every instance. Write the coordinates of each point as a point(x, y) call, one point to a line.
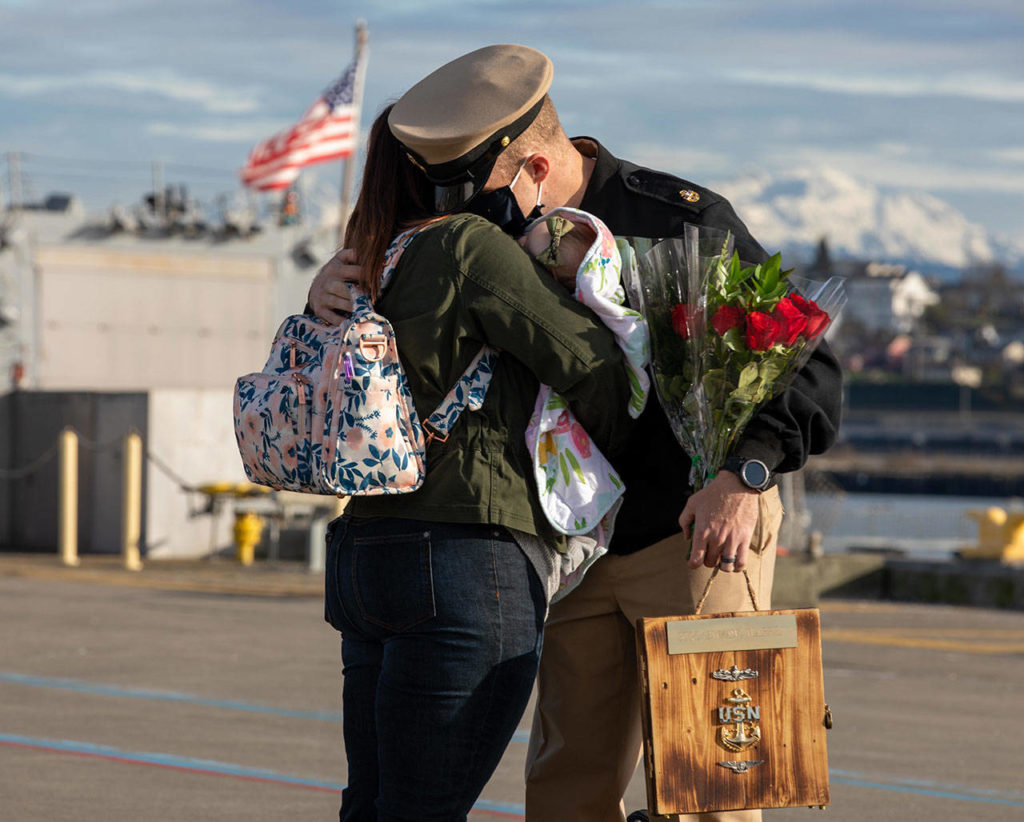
point(350, 371)
point(300, 381)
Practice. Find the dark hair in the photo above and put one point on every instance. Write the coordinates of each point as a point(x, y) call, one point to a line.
point(394, 195)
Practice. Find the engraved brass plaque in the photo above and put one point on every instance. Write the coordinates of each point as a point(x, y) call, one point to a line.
point(751, 633)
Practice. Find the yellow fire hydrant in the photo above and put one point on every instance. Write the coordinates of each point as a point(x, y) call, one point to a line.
point(248, 524)
point(248, 528)
point(1000, 535)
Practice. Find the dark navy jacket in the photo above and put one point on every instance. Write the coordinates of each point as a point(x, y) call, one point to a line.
point(639, 202)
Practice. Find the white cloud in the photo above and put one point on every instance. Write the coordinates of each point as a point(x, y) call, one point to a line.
point(225, 132)
point(679, 161)
point(975, 86)
point(894, 149)
point(901, 170)
point(164, 82)
point(1009, 155)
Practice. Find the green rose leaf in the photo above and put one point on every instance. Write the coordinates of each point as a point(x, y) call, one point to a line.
point(770, 370)
point(749, 374)
point(733, 340)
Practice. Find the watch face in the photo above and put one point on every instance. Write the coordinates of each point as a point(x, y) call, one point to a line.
point(755, 473)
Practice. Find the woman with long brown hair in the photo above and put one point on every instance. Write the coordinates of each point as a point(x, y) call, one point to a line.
point(440, 595)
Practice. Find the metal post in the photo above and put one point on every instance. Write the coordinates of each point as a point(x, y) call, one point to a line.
point(68, 525)
point(316, 551)
point(14, 179)
point(131, 501)
point(362, 55)
point(802, 514)
point(159, 204)
point(793, 533)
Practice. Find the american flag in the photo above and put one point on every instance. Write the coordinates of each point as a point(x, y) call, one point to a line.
point(327, 131)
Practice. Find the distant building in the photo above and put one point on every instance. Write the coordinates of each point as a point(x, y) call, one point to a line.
point(141, 321)
point(879, 296)
point(928, 359)
point(887, 297)
point(988, 294)
point(105, 309)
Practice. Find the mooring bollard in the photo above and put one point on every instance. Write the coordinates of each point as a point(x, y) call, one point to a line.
point(131, 501)
point(68, 491)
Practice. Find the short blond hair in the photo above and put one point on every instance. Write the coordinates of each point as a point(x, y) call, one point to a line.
point(545, 130)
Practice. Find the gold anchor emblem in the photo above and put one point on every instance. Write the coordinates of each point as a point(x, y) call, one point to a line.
point(740, 730)
point(689, 195)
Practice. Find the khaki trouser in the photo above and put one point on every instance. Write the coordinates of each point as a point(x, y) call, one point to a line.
point(586, 740)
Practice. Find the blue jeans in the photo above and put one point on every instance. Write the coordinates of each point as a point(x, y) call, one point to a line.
point(441, 628)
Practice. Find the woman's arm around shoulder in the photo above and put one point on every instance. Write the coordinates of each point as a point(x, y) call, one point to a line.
point(518, 307)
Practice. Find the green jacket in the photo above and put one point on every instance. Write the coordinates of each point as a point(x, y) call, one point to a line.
point(458, 285)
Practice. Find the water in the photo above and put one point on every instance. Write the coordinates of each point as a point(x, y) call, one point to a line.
point(930, 527)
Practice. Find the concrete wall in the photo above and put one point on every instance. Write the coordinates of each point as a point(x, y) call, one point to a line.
point(187, 434)
point(119, 319)
point(191, 431)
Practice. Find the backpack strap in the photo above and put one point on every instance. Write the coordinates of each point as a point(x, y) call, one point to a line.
point(468, 392)
point(471, 388)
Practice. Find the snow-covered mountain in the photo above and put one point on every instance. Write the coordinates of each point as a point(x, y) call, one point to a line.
point(792, 212)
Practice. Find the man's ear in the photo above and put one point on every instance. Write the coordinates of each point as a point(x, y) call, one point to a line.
point(538, 167)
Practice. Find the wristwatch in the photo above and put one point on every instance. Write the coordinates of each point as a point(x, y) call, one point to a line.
point(752, 473)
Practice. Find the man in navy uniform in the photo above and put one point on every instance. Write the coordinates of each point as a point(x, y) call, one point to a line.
point(484, 131)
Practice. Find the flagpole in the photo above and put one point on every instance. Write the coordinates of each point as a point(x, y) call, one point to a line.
point(361, 56)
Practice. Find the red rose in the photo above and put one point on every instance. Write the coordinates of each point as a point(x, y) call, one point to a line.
point(684, 320)
point(791, 321)
point(727, 317)
point(762, 331)
point(817, 320)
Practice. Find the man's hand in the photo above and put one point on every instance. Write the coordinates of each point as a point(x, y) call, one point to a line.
point(723, 515)
point(328, 295)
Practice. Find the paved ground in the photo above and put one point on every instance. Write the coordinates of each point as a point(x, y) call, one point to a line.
point(202, 692)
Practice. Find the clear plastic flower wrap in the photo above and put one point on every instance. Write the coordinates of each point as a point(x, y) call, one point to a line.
point(726, 337)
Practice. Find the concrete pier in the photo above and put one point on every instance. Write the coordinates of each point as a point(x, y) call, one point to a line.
point(803, 582)
point(212, 691)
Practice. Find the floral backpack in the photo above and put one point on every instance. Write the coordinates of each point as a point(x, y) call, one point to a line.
point(331, 412)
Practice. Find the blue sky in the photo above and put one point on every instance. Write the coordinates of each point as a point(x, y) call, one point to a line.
point(918, 94)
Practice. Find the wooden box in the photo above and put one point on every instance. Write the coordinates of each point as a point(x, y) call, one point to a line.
point(734, 712)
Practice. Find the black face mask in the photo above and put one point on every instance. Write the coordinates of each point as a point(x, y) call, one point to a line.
point(501, 208)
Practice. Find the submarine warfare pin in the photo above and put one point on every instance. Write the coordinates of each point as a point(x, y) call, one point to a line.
point(734, 674)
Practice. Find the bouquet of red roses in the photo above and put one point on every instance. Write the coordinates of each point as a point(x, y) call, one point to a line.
point(725, 337)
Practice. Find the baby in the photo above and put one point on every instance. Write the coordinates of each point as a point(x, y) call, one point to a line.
point(579, 489)
point(560, 245)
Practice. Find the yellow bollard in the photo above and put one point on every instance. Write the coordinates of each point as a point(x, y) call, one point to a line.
point(131, 501)
point(991, 523)
point(1000, 535)
point(68, 526)
point(1014, 537)
point(248, 528)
